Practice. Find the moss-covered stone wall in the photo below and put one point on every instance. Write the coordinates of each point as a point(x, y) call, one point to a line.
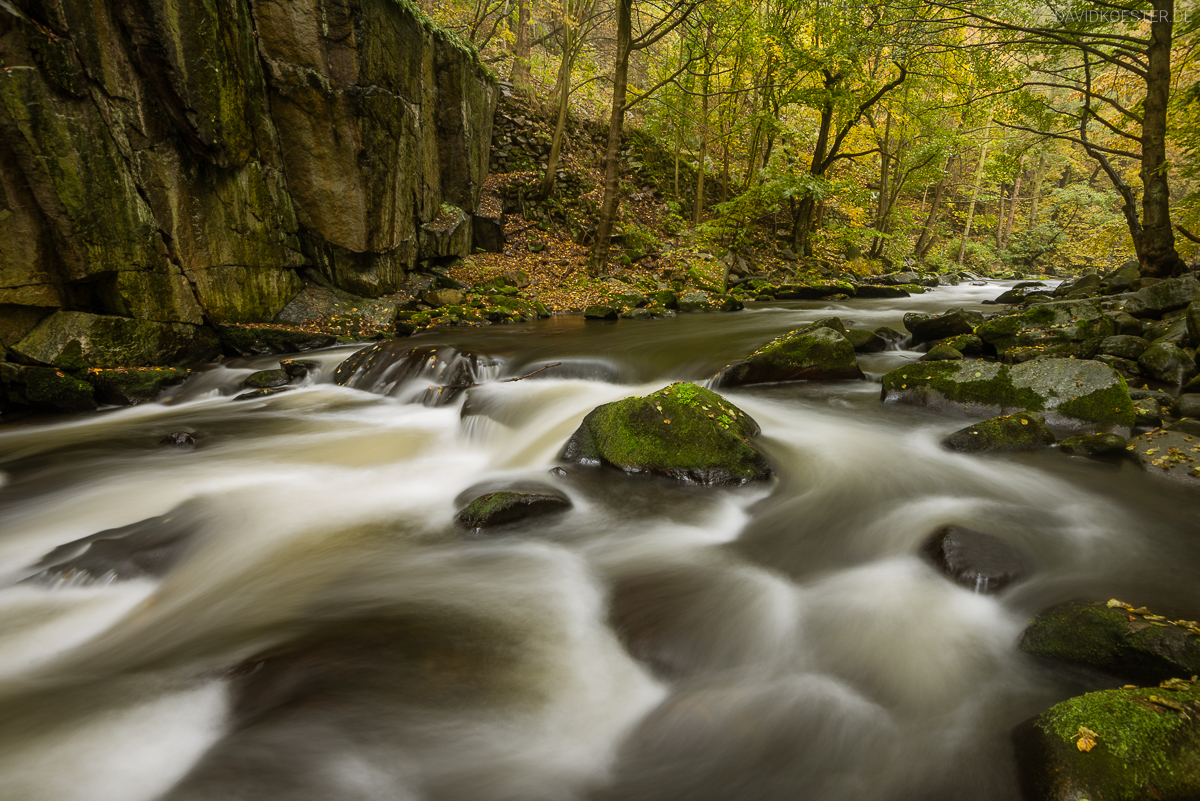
point(182, 163)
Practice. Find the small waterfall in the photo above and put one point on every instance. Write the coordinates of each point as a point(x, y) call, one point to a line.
point(432, 375)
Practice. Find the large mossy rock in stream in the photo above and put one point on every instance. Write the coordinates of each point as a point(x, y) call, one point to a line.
point(1062, 327)
point(1023, 431)
point(1112, 638)
point(1072, 393)
point(820, 351)
point(682, 431)
point(1167, 363)
point(1131, 744)
point(951, 324)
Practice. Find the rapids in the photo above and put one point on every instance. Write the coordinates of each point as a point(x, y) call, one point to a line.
point(327, 632)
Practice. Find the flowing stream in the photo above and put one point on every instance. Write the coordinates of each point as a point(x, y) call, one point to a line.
point(327, 632)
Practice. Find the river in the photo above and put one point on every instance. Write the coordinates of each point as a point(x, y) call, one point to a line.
point(327, 631)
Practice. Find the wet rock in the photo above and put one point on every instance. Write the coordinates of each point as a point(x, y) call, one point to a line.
point(683, 431)
point(298, 371)
point(813, 291)
point(942, 353)
point(507, 506)
point(866, 341)
point(1089, 283)
point(966, 344)
point(1113, 640)
point(1094, 445)
point(266, 392)
point(1063, 323)
point(179, 439)
point(1126, 347)
point(1167, 363)
point(1128, 369)
point(1147, 413)
point(237, 340)
point(1169, 453)
point(267, 379)
point(126, 387)
point(1165, 296)
point(1186, 406)
point(1070, 392)
point(1015, 432)
point(393, 367)
point(891, 336)
point(600, 312)
point(869, 291)
point(46, 389)
point(1117, 745)
point(1188, 425)
point(148, 548)
point(976, 560)
point(443, 297)
point(818, 352)
point(1127, 324)
point(111, 341)
point(694, 300)
point(950, 324)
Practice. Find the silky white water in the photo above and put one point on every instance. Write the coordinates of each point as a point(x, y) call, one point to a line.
point(329, 632)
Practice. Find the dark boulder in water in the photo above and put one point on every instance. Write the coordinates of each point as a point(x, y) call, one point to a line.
point(178, 439)
point(267, 379)
point(1014, 432)
point(683, 431)
point(819, 352)
point(148, 548)
point(976, 560)
point(495, 509)
point(433, 374)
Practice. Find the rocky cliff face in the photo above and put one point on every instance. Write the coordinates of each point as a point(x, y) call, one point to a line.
point(165, 167)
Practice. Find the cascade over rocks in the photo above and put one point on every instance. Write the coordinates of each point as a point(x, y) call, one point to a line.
point(165, 167)
point(436, 373)
point(682, 431)
point(1072, 393)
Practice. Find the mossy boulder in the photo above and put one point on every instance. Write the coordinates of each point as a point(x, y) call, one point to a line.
point(133, 385)
point(1129, 744)
point(599, 311)
point(1072, 393)
point(1129, 644)
point(683, 431)
point(1169, 453)
point(942, 353)
point(1023, 431)
point(872, 291)
point(813, 291)
point(498, 508)
point(267, 379)
point(1063, 323)
point(815, 353)
point(110, 341)
point(1165, 296)
point(865, 341)
point(1094, 445)
point(1168, 363)
point(239, 340)
point(951, 324)
point(48, 389)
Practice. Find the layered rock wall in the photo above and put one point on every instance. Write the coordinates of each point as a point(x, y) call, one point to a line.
point(178, 164)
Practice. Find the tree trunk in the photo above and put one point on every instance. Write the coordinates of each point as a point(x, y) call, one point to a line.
point(520, 76)
point(925, 240)
point(560, 125)
point(612, 155)
point(704, 88)
point(1012, 205)
point(1039, 175)
point(1158, 256)
point(881, 206)
point(962, 248)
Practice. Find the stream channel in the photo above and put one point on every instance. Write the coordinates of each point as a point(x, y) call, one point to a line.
point(326, 631)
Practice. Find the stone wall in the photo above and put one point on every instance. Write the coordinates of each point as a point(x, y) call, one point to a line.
point(176, 165)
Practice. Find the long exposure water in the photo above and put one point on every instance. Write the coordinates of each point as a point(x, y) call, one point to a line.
point(313, 625)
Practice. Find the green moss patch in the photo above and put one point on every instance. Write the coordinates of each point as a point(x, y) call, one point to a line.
point(498, 508)
point(683, 431)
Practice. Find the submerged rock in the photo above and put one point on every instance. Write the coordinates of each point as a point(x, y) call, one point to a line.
point(1129, 644)
point(1129, 744)
point(507, 506)
point(683, 431)
point(1023, 431)
point(148, 548)
point(179, 439)
point(976, 560)
point(818, 352)
point(1070, 392)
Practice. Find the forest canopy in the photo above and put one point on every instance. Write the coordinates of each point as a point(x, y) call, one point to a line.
point(987, 134)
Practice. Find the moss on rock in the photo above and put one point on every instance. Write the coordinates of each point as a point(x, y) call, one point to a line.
point(818, 352)
point(683, 431)
point(128, 386)
point(498, 508)
point(1014, 432)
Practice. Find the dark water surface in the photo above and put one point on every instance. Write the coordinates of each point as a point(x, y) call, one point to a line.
point(311, 625)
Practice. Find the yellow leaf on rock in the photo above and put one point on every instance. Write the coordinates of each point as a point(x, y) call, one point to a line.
point(1087, 739)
